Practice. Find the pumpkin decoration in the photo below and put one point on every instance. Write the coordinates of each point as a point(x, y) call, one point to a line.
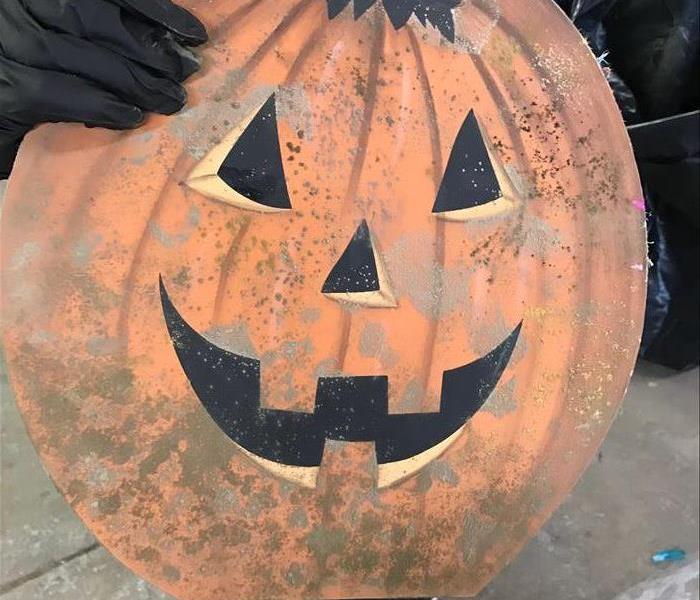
point(349, 326)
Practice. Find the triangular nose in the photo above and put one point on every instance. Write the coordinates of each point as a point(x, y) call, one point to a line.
point(359, 276)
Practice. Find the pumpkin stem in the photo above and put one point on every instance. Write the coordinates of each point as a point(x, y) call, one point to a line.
point(437, 13)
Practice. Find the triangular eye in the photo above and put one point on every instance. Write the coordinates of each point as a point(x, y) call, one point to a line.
point(358, 276)
point(245, 169)
point(470, 180)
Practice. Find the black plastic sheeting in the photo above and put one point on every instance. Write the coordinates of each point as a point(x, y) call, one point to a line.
point(649, 52)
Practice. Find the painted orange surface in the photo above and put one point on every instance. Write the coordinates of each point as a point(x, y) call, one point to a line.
point(367, 116)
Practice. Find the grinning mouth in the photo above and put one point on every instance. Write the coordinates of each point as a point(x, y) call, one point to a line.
point(290, 444)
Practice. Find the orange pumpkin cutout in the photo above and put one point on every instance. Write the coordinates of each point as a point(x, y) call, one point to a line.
point(349, 326)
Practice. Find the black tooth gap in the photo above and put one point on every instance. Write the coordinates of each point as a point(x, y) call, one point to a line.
point(469, 178)
point(253, 167)
point(356, 269)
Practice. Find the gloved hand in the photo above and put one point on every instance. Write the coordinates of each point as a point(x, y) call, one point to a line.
point(99, 62)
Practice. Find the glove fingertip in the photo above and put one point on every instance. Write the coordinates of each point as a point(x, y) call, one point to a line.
point(176, 100)
point(121, 116)
point(190, 30)
point(134, 117)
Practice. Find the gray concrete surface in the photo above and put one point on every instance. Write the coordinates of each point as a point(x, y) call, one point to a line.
point(640, 496)
point(680, 584)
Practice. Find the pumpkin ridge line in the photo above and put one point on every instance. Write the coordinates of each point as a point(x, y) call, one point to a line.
point(227, 263)
point(584, 288)
point(229, 259)
point(370, 98)
point(233, 18)
point(316, 35)
point(523, 162)
point(436, 150)
point(281, 28)
point(129, 281)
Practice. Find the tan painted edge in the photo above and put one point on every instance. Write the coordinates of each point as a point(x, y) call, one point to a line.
point(509, 196)
point(385, 288)
point(381, 298)
point(491, 209)
point(210, 164)
point(395, 472)
point(371, 299)
point(212, 186)
point(304, 476)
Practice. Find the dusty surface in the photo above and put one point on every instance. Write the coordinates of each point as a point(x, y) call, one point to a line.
point(640, 496)
point(122, 431)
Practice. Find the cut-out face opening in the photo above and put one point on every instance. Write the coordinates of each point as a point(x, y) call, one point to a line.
point(359, 276)
point(352, 409)
point(472, 184)
point(246, 171)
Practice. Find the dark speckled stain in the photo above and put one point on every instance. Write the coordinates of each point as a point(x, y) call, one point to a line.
point(94, 294)
point(232, 534)
point(76, 492)
point(410, 561)
point(105, 378)
point(160, 452)
point(91, 441)
point(362, 561)
point(109, 505)
point(483, 532)
point(58, 410)
point(275, 536)
point(148, 554)
point(295, 575)
point(171, 573)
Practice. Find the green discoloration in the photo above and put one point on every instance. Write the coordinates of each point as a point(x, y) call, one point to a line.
point(439, 470)
point(115, 385)
point(109, 505)
point(95, 442)
point(295, 575)
point(171, 573)
point(183, 277)
point(325, 541)
point(361, 562)
point(104, 346)
point(148, 554)
point(160, 452)
point(310, 315)
point(298, 518)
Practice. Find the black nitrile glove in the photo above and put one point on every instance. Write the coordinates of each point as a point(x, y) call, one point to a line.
point(99, 62)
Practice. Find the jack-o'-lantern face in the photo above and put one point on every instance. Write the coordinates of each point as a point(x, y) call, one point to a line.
point(342, 291)
point(353, 323)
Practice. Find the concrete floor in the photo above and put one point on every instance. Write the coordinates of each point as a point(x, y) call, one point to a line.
point(640, 496)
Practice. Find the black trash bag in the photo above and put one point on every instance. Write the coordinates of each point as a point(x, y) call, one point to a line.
point(668, 156)
point(653, 46)
point(649, 51)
